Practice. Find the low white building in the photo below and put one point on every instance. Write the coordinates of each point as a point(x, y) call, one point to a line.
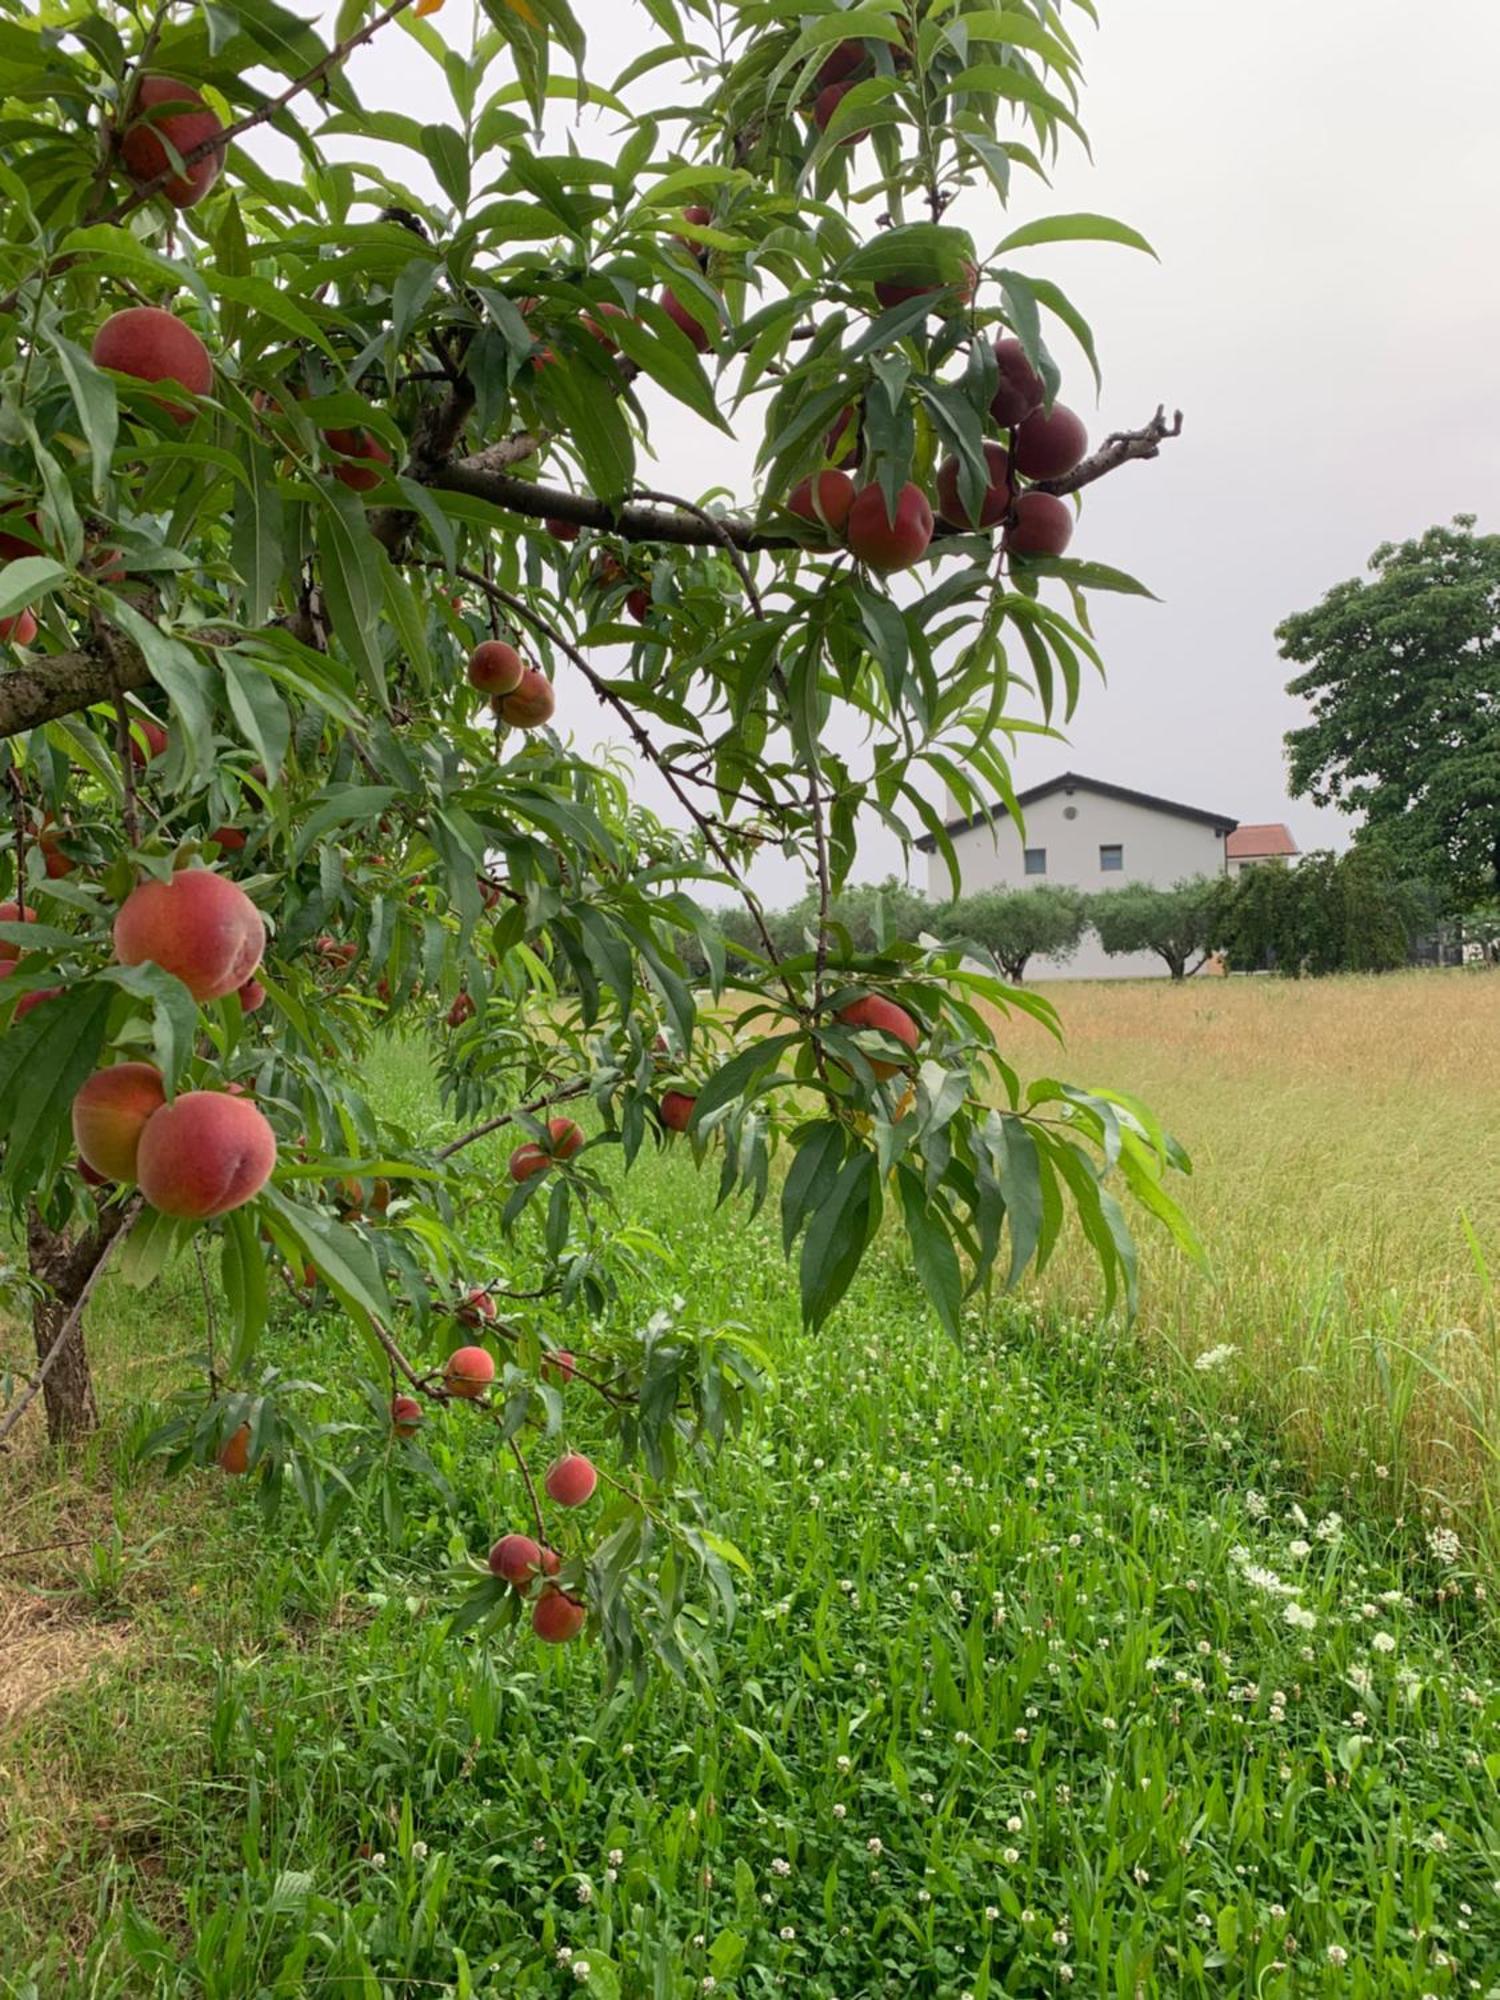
point(1081, 833)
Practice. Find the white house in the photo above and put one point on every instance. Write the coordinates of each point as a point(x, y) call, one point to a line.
point(1084, 834)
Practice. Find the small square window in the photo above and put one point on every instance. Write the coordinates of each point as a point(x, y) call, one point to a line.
point(1036, 861)
point(1112, 860)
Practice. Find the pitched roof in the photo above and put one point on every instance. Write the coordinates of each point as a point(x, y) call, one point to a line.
point(1072, 781)
point(1261, 842)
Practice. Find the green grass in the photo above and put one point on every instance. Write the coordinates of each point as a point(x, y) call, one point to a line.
point(1002, 1697)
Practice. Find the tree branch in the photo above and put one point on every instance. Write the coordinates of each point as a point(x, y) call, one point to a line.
point(1118, 449)
point(509, 1117)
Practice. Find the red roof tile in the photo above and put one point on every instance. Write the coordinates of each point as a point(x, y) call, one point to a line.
point(1258, 843)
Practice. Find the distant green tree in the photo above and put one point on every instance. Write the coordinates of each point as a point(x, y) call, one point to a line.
point(1016, 925)
point(1331, 913)
point(1403, 675)
point(1182, 925)
point(1263, 921)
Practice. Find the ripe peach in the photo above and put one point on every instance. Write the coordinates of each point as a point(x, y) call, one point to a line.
point(20, 628)
point(88, 1176)
point(638, 604)
point(827, 101)
point(840, 63)
point(527, 1161)
point(406, 1416)
point(56, 863)
point(14, 547)
point(842, 442)
point(677, 1110)
point(234, 1453)
point(571, 1480)
point(561, 531)
point(520, 1560)
point(252, 996)
point(607, 310)
point(682, 316)
point(884, 543)
point(559, 1366)
point(155, 346)
point(155, 740)
point(891, 292)
point(564, 1138)
point(477, 1307)
point(361, 457)
point(824, 498)
point(462, 1010)
point(36, 998)
point(495, 668)
point(12, 913)
point(199, 926)
point(1050, 443)
point(875, 1011)
point(530, 704)
point(1043, 526)
point(183, 121)
point(230, 838)
point(205, 1154)
point(557, 1617)
point(111, 1111)
point(995, 505)
point(469, 1372)
point(1021, 390)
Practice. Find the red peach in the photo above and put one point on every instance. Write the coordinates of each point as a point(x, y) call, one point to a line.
point(155, 740)
point(54, 860)
point(607, 310)
point(564, 1138)
point(526, 1162)
point(36, 998)
point(477, 1307)
point(885, 543)
point(406, 1416)
point(19, 629)
point(184, 122)
point(875, 1011)
point(824, 498)
point(638, 604)
point(559, 1365)
point(561, 531)
point(111, 1111)
point(891, 292)
point(469, 1372)
point(1050, 443)
point(677, 1110)
point(367, 453)
point(520, 1560)
point(557, 1617)
point(1043, 526)
point(155, 346)
point(840, 63)
point(684, 318)
point(230, 838)
point(205, 1154)
point(199, 926)
point(571, 1480)
point(252, 996)
point(495, 668)
point(462, 1010)
point(827, 101)
point(234, 1453)
point(531, 704)
point(14, 547)
point(995, 504)
point(1021, 390)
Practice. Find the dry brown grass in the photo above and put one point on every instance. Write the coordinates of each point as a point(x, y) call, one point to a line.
point(1341, 1132)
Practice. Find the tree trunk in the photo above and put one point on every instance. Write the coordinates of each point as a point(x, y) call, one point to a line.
point(63, 1265)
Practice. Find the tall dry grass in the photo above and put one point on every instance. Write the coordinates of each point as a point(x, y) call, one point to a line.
point(1345, 1136)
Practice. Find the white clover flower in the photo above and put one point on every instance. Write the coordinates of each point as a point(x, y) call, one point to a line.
point(1337, 1955)
point(786, 1933)
point(1256, 1505)
point(611, 1874)
point(565, 1954)
point(1445, 1545)
point(1014, 1823)
point(875, 1844)
point(1330, 1527)
point(992, 1913)
point(708, 1983)
point(1301, 1617)
point(840, 1811)
point(843, 1763)
point(1383, 1642)
point(377, 1861)
point(1065, 1974)
point(419, 1850)
point(1010, 1856)
point(585, 1892)
point(581, 1970)
point(1299, 1550)
point(1215, 1357)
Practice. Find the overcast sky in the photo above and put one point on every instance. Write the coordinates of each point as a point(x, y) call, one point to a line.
point(1320, 180)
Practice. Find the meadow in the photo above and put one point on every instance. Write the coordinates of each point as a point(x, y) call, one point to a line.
point(1064, 1665)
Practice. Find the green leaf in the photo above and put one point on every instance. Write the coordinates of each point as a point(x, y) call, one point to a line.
point(174, 1015)
point(1080, 228)
point(1013, 1150)
point(1088, 575)
point(94, 399)
point(344, 1261)
point(448, 156)
point(734, 1077)
point(43, 1061)
point(181, 676)
point(595, 423)
point(348, 561)
point(258, 709)
point(932, 1249)
point(22, 582)
point(838, 1236)
point(256, 530)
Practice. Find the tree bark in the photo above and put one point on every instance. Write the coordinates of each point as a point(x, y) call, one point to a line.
point(63, 1264)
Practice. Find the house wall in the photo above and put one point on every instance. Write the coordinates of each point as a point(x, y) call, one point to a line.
point(1159, 849)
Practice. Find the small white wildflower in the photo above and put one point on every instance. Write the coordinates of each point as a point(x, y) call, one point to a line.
point(780, 1866)
point(419, 1850)
point(1014, 1823)
point(585, 1892)
point(1299, 1550)
point(565, 1954)
point(581, 1970)
point(377, 1861)
point(616, 1857)
point(1329, 1528)
point(843, 1763)
point(1301, 1617)
point(611, 1874)
point(839, 1811)
point(786, 1933)
point(1256, 1505)
point(1445, 1544)
point(1215, 1357)
point(1383, 1642)
point(1337, 1955)
point(875, 1844)
point(992, 1913)
point(1065, 1974)
point(627, 1749)
point(1010, 1856)
point(708, 1983)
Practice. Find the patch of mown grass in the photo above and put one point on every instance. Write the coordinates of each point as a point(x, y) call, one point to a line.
point(1040, 1684)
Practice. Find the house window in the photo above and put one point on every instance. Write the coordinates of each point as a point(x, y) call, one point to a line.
point(1112, 859)
point(1036, 861)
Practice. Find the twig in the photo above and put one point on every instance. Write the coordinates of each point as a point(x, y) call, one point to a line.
point(726, 541)
point(129, 811)
point(530, 1110)
point(70, 1325)
point(536, 1506)
point(18, 809)
point(1118, 449)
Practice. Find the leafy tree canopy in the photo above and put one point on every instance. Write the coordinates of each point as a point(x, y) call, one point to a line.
point(1016, 925)
point(1403, 673)
point(327, 527)
point(1182, 925)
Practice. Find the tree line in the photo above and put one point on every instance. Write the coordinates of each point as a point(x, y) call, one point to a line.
point(1331, 913)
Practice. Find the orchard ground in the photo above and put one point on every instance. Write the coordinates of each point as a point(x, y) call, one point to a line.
point(1064, 1664)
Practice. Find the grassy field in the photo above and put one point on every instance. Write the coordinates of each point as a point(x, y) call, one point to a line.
point(1343, 1132)
point(1057, 1671)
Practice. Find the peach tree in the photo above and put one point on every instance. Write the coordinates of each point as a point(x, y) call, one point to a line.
point(330, 542)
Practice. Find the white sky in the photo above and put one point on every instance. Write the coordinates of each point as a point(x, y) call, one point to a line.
point(1320, 179)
